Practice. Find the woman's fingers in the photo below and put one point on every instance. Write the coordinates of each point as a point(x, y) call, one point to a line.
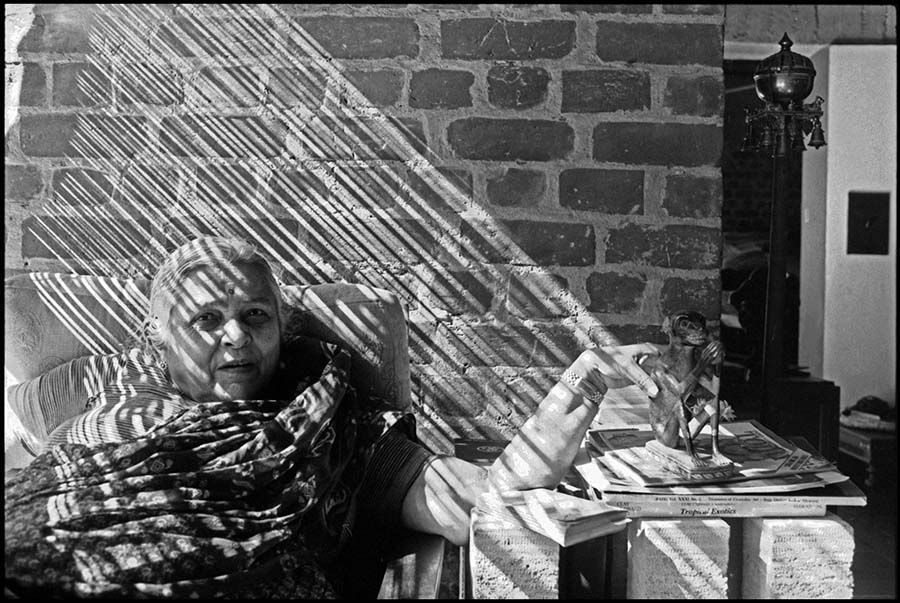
point(635, 349)
point(620, 361)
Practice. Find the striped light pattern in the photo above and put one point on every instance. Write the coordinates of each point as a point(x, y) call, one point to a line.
point(327, 167)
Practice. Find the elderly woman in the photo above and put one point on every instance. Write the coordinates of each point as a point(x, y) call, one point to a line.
point(231, 457)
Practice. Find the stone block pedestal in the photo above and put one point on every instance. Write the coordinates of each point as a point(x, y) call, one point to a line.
point(678, 559)
point(798, 558)
point(507, 561)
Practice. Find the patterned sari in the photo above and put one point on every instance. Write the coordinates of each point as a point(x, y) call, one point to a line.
point(247, 498)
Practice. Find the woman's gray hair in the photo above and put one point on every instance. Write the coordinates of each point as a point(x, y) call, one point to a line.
point(200, 253)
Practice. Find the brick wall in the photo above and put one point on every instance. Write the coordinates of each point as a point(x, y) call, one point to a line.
point(529, 178)
point(812, 23)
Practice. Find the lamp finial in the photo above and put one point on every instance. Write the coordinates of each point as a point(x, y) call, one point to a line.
point(785, 42)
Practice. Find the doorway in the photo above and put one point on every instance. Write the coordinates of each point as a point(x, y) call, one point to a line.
point(747, 179)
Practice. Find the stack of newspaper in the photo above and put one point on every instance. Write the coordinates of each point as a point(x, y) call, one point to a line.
point(772, 477)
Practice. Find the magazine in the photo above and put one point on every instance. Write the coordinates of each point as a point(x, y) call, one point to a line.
point(561, 517)
point(757, 453)
point(808, 502)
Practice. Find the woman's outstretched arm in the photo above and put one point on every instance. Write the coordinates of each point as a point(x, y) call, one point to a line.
point(538, 456)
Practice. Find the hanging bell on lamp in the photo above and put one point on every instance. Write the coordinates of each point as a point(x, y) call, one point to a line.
point(766, 141)
point(749, 142)
point(817, 137)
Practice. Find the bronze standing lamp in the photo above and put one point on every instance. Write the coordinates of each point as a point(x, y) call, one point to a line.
point(783, 80)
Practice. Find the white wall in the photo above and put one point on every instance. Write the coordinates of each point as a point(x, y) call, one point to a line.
point(848, 302)
point(18, 20)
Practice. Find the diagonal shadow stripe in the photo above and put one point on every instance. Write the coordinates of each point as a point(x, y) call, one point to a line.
point(327, 131)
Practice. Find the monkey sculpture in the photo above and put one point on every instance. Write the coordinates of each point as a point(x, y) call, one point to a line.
point(677, 371)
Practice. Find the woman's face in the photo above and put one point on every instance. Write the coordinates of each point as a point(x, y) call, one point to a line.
point(222, 335)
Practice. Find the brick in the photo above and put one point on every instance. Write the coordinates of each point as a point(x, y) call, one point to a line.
point(658, 143)
point(82, 186)
point(54, 135)
point(439, 189)
point(702, 95)
point(604, 191)
point(701, 295)
point(749, 23)
point(693, 196)
point(220, 38)
point(225, 87)
point(404, 240)
point(660, 43)
point(361, 37)
point(368, 187)
point(150, 186)
point(80, 85)
point(517, 86)
point(461, 292)
point(500, 39)
point(848, 22)
point(447, 394)
point(693, 9)
point(34, 86)
point(146, 83)
point(673, 246)
point(678, 559)
point(400, 281)
point(543, 243)
point(221, 136)
point(267, 232)
point(421, 336)
point(278, 236)
point(514, 187)
point(62, 28)
point(510, 139)
point(624, 334)
point(443, 6)
point(489, 345)
point(440, 89)
point(22, 182)
point(290, 87)
point(509, 561)
point(296, 188)
point(605, 90)
point(81, 238)
point(555, 345)
point(381, 87)
point(612, 292)
point(608, 8)
point(354, 238)
point(797, 558)
point(389, 138)
point(537, 295)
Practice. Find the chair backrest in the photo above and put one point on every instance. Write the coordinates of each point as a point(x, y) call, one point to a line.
point(52, 318)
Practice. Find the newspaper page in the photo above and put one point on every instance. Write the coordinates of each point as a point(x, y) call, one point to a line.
point(756, 452)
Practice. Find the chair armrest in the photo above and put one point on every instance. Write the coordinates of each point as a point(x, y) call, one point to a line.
point(415, 571)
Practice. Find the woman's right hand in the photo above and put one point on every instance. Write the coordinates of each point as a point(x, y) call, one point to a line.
point(617, 366)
